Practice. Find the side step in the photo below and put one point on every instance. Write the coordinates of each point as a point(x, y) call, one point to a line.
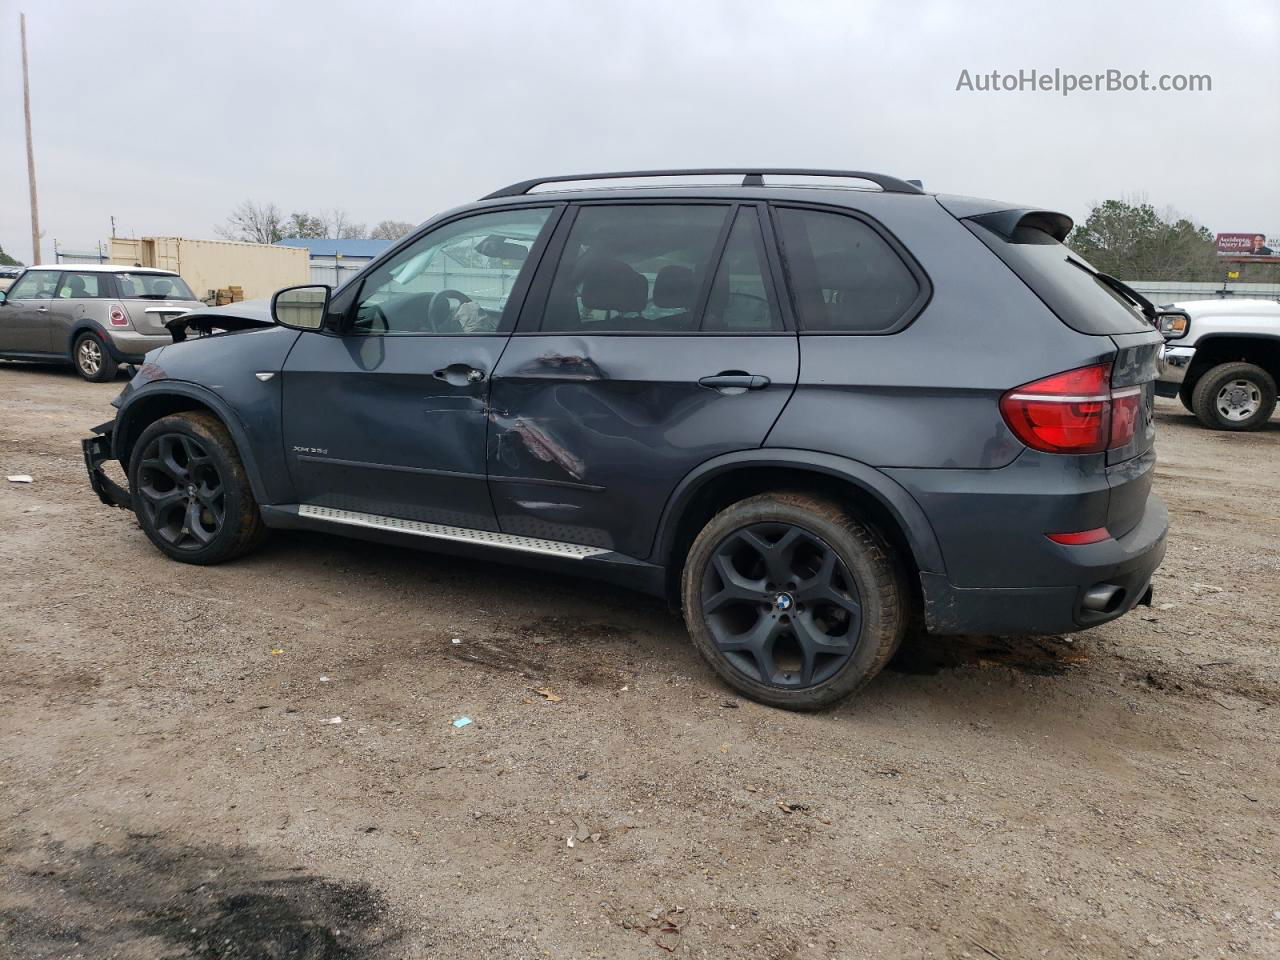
point(438, 531)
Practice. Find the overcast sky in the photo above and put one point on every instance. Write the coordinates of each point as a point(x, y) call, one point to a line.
point(168, 114)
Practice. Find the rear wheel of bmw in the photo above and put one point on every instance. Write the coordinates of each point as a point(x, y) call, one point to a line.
point(190, 491)
point(793, 601)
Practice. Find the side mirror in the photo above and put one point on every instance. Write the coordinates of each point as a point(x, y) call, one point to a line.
point(3, 298)
point(1173, 324)
point(301, 308)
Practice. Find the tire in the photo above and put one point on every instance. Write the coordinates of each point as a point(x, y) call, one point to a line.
point(792, 601)
point(91, 359)
point(1184, 395)
point(190, 491)
point(1234, 396)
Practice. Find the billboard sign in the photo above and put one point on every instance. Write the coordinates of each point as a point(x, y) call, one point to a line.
point(1254, 244)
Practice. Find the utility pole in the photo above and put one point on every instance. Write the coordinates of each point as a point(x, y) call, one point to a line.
point(31, 157)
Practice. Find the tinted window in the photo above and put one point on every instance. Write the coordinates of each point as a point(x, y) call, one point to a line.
point(35, 285)
point(1070, 290)
point(634, 269)
point(153, 286)
point(740, 298)
point(455, 280)
point(81, 285)
point(845, 277)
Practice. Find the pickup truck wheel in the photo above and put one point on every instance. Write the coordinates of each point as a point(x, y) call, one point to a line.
point(92, 360)
point(190, 491)
point(1234, 396)
point(792, 601)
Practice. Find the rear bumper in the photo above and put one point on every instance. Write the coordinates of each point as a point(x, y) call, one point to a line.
point(129, 346)
point(1112, 577)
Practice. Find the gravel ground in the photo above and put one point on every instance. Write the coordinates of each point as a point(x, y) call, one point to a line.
point(169, 785)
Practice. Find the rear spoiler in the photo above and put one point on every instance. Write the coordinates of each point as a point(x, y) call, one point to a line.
point(1005, 220)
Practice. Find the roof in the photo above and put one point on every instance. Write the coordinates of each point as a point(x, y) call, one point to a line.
point(325, 247)
point(100, 268)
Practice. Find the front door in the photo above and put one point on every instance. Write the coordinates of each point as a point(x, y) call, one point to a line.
point(389, 416)
point(660, 346)
point(24, 316)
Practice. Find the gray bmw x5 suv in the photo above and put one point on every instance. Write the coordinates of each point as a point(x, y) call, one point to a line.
point(809, 416)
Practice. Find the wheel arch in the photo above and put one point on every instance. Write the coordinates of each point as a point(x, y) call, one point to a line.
point(143, 407)
point(724, 480)
point(1214, 349)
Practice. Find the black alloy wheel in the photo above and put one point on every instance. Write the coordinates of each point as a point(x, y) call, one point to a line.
point(781, 606)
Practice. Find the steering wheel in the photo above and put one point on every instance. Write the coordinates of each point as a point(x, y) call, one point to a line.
point(439, 312)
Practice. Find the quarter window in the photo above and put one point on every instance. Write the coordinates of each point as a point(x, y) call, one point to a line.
point(634, 268)
point(78, 286)
point(845, 277)
point(454, 281)
point(740, 300)
point(35, 285)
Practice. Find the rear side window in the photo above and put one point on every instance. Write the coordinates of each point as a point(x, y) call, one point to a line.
point(78, 286)
point(1069, 289)
point(634, 269)
point(845, 277)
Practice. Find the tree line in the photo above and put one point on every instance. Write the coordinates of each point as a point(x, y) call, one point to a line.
point(253, 222)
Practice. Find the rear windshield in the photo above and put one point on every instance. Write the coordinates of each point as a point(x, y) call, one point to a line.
point(153, 286)
point(1064, 281)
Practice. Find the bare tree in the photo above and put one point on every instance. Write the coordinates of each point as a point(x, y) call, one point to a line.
point(340, 228)
point(253, 223)
point(391, 230)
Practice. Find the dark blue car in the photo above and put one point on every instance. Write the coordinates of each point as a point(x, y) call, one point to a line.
point(809, 415)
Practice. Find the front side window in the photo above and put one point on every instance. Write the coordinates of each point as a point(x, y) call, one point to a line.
point(35, 285)
point(845, 277)
point(634, 269)
point(454, 281)
point(77, 286)
point(153, 286)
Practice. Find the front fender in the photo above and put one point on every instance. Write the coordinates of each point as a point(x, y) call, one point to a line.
point(887, 492)
point(139, 407)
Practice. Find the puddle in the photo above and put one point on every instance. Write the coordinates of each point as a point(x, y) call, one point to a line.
point(143, 898)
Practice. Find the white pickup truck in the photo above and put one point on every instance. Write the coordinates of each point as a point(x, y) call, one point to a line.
point(1222, 360)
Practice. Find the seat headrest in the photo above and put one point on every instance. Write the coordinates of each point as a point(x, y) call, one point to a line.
point(674, 287)
point(609, 284)
point(77, 286)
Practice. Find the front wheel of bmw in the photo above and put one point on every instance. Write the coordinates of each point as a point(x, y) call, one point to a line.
point(793, 601)
point(190, 491)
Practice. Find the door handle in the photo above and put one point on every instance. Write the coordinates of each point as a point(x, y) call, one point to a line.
point(42, 308)
point(459, 374)
point(735, 380)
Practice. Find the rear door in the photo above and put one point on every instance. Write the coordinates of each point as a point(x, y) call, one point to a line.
point(24, 316)
point(652, 341)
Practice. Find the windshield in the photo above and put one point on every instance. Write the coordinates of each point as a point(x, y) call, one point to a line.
point(153, 286)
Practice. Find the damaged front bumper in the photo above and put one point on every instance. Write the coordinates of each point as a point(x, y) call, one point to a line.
point(97, 451)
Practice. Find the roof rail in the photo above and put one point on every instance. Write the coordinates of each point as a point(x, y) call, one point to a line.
point(751, 177)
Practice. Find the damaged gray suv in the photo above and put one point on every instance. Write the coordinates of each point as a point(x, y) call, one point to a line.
point(809, 414)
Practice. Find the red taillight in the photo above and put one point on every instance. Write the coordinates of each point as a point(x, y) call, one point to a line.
point(117, 316)
point(1073, 412)
point(1084, 536)
point(1126, 407)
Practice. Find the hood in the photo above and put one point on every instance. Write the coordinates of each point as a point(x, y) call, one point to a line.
point(246, 315)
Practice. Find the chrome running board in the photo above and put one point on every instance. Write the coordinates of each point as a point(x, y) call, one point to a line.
point(438, 531)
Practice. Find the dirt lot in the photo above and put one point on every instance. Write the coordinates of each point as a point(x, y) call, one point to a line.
point(169, 785)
